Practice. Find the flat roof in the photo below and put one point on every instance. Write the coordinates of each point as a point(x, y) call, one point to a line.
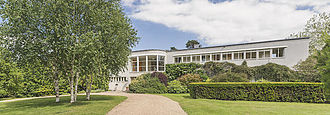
point(225, 45)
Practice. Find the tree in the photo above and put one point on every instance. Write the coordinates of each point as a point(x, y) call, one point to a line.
point(323, 63)
point(75, 39)
point(314, 28)
point(173, 49)
point(307, 70)
point(192, 43)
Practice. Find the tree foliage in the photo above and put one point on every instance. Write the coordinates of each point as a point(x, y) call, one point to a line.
point(72, 40)
point(191, 44)
point(323, 63)
point(307, 70)
point(314, 28)
point(275, 73)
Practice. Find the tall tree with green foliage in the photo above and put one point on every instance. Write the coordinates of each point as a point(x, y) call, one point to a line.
point(75, 39)
point(314, 28)
point(323, 62)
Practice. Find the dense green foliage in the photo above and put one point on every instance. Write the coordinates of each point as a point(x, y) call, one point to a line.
point(177, 70)
point(224, 107)
point(145, 83)
point(100, 105)
point(214, 68)
point(176, 87)
point(230, 77)
point(78, 44)
point(188, 78)
point(275, 73)
point(161, 76)
point(323, 63)
point(307, 70)
point(262, 91)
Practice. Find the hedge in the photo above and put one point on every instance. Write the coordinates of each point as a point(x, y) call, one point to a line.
point(254, 91)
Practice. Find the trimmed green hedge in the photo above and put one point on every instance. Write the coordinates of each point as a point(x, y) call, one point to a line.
point(266, 91)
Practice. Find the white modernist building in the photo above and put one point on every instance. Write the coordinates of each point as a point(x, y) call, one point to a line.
point(284, 52)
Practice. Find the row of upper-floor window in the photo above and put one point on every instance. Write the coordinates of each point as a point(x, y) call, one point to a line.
point(237, 55)
point(147, 63)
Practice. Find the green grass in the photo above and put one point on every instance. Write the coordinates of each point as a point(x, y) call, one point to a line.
point(217, 107)
point(99, 105)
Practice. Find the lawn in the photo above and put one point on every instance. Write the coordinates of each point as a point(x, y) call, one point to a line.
point(99, 105)
point(217, 107)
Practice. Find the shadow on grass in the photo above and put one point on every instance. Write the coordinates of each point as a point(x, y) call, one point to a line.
point(50, 102)
point(187, 97)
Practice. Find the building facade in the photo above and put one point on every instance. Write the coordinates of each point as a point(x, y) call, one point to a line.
point(284, 52)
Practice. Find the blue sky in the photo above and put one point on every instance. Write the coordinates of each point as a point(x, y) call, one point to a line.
point(162, 24)
point(158, 36)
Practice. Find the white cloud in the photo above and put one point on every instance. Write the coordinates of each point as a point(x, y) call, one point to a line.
point(231, 21)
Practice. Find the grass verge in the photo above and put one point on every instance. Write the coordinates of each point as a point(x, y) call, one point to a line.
point(99, 105)
point(217, 107)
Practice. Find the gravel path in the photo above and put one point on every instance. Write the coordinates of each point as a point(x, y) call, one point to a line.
point(136, 104)
point(145, 104)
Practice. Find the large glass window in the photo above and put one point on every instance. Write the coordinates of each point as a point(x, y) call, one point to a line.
point(277, 52)
point(142, 63)
point(216, 57)
point(161, 64)
point(152, 63)
point(226, 56)
point(251, 55)
point(134, 63)
point(177, 59)
point(186, 59)
point(196, 58)
point(208, 57)
point(264, 54)
point(238, 55)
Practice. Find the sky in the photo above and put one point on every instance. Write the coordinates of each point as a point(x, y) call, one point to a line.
point(162, 24)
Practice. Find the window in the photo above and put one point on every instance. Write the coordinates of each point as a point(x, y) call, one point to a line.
point(226, 56)
point(186, 59)
point(142, 63)
point(161, 64)
point(196, 58)
point(177, 59)
point(152, 63)
point(208, 57)
point(216, 57)
point(238, 55)
point(264, 54)
point(134, 63)
point(251, 55)
point(277, 52)
point(203, 58)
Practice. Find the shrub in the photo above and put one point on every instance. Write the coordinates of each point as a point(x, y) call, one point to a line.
point(176, 87)
point(307, 71)
point(177, 70)
point(262, 91)
point(188, 78)
point(162, 77)
point(275, 73)
point(147, 84)
point(214, 68)
point(230, 77)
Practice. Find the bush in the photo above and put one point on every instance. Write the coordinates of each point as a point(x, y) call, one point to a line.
point(307, 71)
point(275, 73)
point(176, 87)
point(214, 68)
point(147, 84)
point(230, 77)
point(177, 70)
point(162, 77)
point(188, 78)
point(262, 91)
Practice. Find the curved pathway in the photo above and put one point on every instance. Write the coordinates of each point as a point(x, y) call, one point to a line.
point(145, 104)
